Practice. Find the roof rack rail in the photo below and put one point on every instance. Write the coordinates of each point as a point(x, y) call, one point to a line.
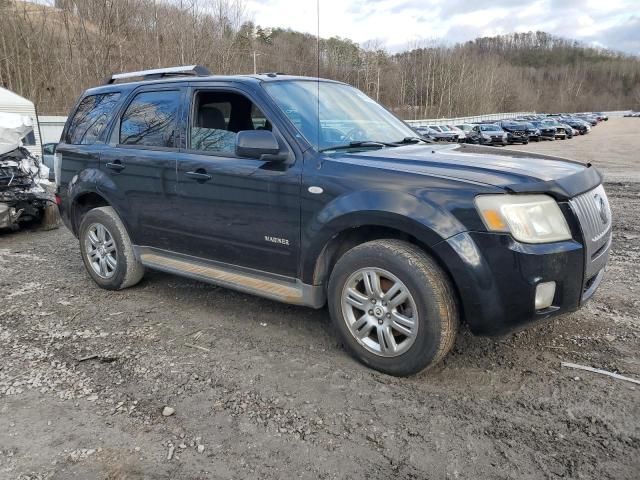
point(271, 74)
point(191, 70)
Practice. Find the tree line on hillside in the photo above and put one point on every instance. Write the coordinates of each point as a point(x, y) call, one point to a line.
point(50, 53)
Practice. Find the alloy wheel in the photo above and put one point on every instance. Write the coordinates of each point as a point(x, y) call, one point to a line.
point(380, 312)
point(101, 251)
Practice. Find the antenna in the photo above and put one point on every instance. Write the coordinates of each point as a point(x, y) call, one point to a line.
point(318, 70)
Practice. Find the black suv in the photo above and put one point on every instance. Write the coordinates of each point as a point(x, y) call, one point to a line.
point(516, 132)
point(306, 191)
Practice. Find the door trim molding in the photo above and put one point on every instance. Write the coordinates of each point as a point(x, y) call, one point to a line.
point(255, 282)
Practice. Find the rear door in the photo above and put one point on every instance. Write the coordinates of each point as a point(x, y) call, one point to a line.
point(239, 211)
point(141, 164)
point(83, 138)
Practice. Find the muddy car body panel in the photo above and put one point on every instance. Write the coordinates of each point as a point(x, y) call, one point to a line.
point(283, 223)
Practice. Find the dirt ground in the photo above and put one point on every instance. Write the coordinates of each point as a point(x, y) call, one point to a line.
point(262, 390)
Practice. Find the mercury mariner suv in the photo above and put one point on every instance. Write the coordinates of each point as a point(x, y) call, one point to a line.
point(306, 191)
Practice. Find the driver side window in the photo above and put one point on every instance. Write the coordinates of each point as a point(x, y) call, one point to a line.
point(218, 116)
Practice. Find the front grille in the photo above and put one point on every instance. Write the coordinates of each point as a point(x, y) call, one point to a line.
point(594, 214)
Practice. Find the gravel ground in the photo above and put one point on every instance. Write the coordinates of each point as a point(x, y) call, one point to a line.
point(262, 390)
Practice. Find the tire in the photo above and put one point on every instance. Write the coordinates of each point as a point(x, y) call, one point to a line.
point(525, 143)
point(430, 305)
point(102, 226)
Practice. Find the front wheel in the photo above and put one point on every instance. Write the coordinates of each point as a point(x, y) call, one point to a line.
point(393, 307)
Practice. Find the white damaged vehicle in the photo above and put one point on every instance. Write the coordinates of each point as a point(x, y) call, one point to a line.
point(22, 176)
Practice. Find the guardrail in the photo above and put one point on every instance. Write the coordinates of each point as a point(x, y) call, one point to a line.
point(470, 119)
point(617, 113)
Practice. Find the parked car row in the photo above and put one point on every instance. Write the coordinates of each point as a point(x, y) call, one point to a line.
point(632, 114)
point(525, 129)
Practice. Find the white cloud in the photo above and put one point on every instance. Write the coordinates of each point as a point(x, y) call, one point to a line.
point(397, 23)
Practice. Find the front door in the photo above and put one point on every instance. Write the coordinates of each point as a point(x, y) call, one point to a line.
point(238, 211)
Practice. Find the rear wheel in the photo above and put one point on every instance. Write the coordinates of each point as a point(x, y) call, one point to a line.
point(107, 250)
point(393, 307)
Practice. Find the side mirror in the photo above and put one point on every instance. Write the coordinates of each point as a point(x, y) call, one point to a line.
point(258, 144)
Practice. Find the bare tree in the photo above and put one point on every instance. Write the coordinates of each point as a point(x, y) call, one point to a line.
point(50, 52)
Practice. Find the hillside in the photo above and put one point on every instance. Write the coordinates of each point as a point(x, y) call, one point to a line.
point(50, 54)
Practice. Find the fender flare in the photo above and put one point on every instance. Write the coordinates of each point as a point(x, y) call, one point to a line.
point(422, 219)
point(97, 182)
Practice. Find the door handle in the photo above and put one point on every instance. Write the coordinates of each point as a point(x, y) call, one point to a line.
point(116, 165)
point(200, 175)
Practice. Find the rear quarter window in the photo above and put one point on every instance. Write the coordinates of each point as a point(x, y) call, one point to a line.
point(91, 117)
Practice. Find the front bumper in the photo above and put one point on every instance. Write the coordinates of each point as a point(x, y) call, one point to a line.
point(493, 141)
point(496, 276)
point(513, 138)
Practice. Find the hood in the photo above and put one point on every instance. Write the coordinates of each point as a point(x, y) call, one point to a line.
point(492, 132)
point(511, 170)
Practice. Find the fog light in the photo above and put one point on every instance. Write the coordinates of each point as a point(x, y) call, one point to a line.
point(544, 294)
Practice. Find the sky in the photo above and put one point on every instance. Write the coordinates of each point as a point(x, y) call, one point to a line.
point(397, 24)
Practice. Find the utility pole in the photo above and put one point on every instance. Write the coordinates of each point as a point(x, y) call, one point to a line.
point(255, 68)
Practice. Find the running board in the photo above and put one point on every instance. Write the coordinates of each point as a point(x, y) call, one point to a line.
point(241, 279)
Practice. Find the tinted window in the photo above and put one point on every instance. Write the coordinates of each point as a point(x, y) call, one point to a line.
point(29, 139)
point(150, 119)
point(90, 118)
point(49, 148)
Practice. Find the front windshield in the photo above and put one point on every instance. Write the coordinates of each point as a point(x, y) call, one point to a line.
point(345, 113)
point(490, 128)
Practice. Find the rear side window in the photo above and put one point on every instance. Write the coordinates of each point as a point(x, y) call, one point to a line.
point(151, 119)
point(91, 117)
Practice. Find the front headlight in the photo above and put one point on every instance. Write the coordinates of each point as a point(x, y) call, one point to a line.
point(486, 137)
point(528, 218)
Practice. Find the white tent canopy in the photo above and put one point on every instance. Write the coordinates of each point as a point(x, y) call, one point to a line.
point(10, 99)
point(11, 102)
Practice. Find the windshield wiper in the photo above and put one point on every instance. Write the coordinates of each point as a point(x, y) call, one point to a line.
point(408, 140)
point(359, 143)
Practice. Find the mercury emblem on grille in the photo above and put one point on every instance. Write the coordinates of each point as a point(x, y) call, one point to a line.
point(602, 208)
